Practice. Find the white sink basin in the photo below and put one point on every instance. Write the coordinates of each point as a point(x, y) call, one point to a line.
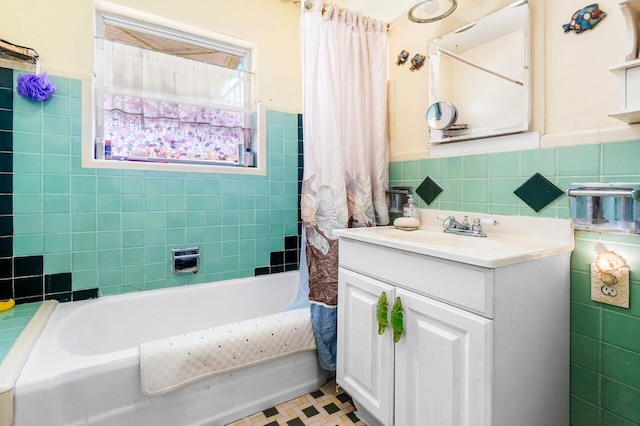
point(438, 238)
point(516, 239)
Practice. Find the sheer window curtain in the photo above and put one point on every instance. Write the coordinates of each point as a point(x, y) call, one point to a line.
point(131, 70)
point(344, 57)
point(187, 102)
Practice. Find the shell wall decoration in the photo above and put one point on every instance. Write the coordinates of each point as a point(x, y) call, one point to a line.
point(402, 57)
point(585, 19)
point(417, 62)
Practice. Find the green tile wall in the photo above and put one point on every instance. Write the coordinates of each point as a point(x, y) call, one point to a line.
point(114, 229)
point(485, 183)
point(605, 340)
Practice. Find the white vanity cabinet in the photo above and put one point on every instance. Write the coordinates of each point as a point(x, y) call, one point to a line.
point(481, 346)
point(439, 368)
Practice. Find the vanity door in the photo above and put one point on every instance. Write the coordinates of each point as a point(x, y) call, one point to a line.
point(365, 363)
point(443, 365)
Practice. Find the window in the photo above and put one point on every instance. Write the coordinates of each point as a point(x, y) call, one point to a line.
point(164, 95)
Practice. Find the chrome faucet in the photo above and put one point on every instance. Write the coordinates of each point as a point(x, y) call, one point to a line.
point(450, 222)
point(452, 226)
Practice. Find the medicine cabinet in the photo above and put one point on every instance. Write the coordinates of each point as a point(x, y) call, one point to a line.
point(482, 69)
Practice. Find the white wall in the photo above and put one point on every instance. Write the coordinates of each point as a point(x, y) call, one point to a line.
point(572, 89)
point(62, 33)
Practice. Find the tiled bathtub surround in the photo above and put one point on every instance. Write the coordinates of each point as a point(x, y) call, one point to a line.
point(21, 277)
point(12, 323)
point(605, 353)
point(114, 229)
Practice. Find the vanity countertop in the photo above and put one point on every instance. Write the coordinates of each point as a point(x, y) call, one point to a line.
point(516, 239)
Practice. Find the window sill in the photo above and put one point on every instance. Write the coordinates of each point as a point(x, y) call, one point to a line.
point(173, 167)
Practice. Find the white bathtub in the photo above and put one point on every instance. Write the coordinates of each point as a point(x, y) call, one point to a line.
point(84, 369)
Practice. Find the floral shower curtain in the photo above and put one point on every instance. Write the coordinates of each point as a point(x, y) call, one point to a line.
point(344, 57)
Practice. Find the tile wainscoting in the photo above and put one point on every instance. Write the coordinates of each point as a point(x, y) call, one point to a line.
point(68, 232)
point(605, 348)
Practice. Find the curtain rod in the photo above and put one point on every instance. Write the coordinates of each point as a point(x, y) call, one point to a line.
point(340, 9)
point(324, 8)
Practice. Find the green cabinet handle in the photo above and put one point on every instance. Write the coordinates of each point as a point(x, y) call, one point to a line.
point(382, 312)
point(397, 320)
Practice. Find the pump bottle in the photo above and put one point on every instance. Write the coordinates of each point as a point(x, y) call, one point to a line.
point(411, 209)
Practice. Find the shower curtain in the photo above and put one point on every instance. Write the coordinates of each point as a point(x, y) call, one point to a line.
point(344, 56)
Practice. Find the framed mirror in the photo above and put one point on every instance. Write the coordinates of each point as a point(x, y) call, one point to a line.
point(482, 69)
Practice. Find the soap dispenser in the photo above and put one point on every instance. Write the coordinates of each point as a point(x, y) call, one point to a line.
point(411, 209)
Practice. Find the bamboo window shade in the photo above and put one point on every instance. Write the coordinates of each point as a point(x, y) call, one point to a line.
point(172, 47)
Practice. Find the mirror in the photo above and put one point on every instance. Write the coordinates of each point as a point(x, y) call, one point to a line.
point(441, 115)
point(483, 69)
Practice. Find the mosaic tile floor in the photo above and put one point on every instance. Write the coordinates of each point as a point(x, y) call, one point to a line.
point(322, 407)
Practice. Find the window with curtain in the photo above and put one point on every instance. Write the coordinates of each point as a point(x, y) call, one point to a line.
point(165, 96)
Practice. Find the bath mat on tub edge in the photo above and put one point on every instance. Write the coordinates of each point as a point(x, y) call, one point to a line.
point(168, 364)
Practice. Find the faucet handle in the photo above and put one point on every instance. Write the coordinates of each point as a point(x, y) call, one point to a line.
point(447, 221)
point(489, 221)
point(477, 224)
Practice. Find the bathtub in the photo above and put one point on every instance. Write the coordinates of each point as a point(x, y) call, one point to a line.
point(84, 368)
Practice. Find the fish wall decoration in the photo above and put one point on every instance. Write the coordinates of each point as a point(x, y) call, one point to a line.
point(585, 19)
